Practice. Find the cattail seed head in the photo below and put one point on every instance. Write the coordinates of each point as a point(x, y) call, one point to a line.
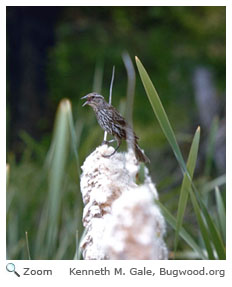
point(120, 217)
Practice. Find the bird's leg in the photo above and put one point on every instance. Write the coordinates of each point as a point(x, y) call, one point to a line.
point(119, 143)
point(107, 142)
point(104, 142)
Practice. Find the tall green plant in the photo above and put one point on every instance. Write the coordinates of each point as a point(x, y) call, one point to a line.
point(209, 232)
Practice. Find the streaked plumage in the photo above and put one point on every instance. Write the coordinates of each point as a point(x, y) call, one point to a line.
point(111, 121)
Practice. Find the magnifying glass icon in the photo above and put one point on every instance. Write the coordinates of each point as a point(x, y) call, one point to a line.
point(10, 267)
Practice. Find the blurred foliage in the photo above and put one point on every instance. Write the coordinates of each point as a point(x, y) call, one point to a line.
point(171, 42)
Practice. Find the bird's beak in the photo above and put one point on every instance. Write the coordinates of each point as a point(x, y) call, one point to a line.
point(85, 97)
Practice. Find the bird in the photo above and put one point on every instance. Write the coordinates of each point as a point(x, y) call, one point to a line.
point(113, 123)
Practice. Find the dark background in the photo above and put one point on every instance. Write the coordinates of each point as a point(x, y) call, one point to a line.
point(60, 52)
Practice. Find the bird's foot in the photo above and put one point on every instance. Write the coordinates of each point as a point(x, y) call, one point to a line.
point(109, 155)
point(105, 142)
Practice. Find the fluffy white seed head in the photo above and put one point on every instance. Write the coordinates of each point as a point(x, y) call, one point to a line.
point(120, 217)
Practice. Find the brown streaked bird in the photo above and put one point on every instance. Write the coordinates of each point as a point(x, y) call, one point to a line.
point(113, 123)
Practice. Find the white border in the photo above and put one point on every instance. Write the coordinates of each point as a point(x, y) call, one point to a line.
point(115, 3)
point(3, 130)
point(61, 267)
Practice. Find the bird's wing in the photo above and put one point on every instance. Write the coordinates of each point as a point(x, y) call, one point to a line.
point(118, 119)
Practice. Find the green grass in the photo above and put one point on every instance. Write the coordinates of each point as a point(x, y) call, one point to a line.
point(209, 232)
point(45, 200)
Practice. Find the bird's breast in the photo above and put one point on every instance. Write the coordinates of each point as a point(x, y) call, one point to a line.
point(105, 120)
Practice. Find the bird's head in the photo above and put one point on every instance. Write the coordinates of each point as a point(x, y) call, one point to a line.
point(93, 100)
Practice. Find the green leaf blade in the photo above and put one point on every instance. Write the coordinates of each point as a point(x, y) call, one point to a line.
point(221, 212)
point(160, 113)
point(214, 233)
point(183, 233)
point(203, 228)
point(186, 183)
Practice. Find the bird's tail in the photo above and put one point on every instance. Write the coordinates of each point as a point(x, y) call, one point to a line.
point(140, 155)
point(132, 142)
